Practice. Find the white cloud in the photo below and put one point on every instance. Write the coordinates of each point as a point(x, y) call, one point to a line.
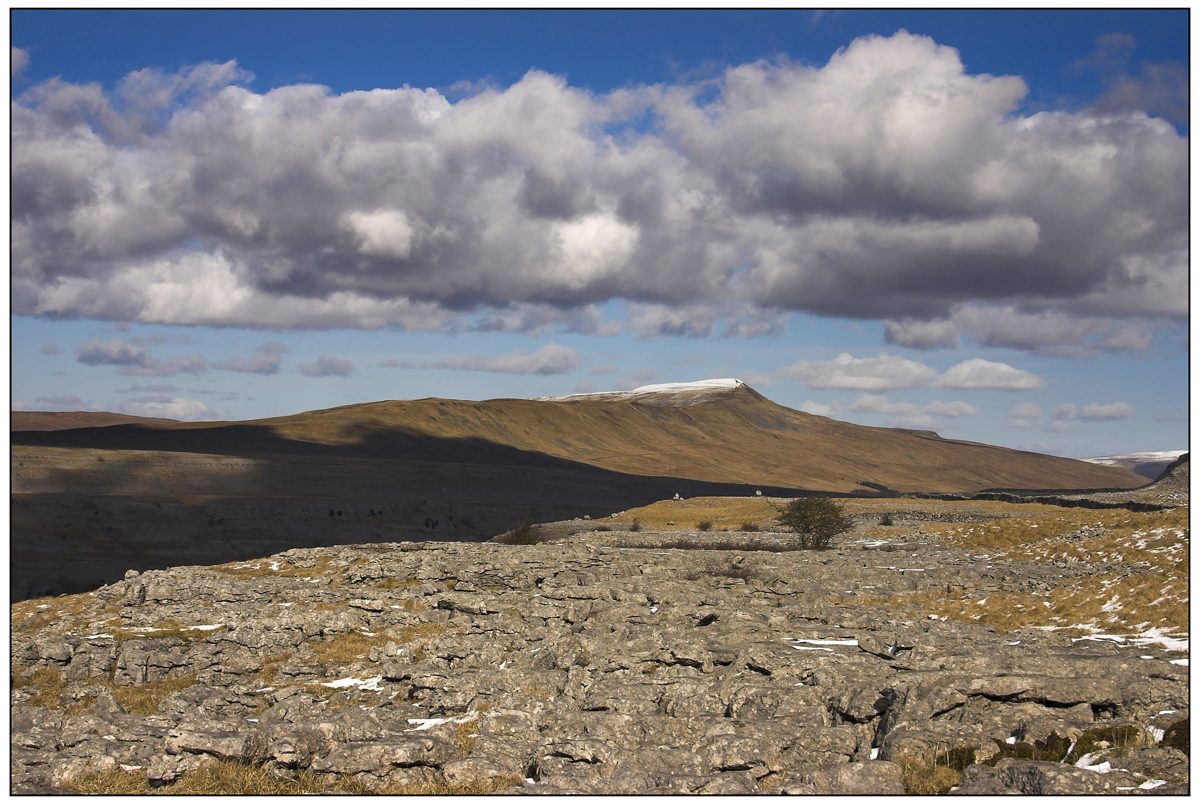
point(192, 364)
point(1094, 413)
point(19, 59)
point(1026, 410)
point(63, 402)
point(817, 409)
point(949, 410)
point(113, 353)
point(917, 422)
point(190, 199)
point(881, 373)
point(134, 360)
point(878, 403)
point(979, 374)
point(267, 361)
point(1049, 333)
point(158, 406)
point(550, 359)
point(756, 378)
point(327, 366)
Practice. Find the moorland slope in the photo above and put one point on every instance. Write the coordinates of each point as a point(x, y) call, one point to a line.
point(713, 434)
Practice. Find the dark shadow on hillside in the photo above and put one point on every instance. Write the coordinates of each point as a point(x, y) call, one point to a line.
point(387, 486)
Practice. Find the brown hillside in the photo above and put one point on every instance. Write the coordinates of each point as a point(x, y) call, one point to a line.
point(73, 419)
point(728, 435)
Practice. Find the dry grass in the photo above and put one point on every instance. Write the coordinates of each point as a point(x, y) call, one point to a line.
point(49, 683)
point(139, 699)
point(143, 699)
point(282, 568)
point(923, 778)
point(39, 615)
point(734, 513)
point(392, 584)
point(346, 648)
point(1150, 591)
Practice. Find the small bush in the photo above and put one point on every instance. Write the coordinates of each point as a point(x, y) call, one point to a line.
point(635, 527)
point(704, 524)
point(748, 527)
point(816, 520)
point(886, 519)
point(602, 529)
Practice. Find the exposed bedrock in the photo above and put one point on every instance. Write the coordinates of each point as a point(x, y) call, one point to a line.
point(573, 668)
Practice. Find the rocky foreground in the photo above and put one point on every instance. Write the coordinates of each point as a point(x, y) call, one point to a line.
point(577, 667)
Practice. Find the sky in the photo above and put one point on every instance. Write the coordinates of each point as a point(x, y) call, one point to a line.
point(973, 222)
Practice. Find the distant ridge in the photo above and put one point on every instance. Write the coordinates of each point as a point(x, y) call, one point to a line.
point(714, 431)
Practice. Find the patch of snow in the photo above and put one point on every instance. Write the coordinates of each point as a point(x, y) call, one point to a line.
point(1137, 457)
point(660, 388)
point(1180, 662)
point(853, 642)
point(128, 768)
point(99, 636)
point(200, 627)
point(1011, 741)
point(361, 683)
point(874, 753)
point(1158, 734)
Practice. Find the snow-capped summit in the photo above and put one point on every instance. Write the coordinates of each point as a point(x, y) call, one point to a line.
point(724, 384)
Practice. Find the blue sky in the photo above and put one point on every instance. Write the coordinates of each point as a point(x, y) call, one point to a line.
point(972, 222)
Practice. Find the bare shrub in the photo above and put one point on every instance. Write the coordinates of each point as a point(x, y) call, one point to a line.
point(816, 520)
point(635, 527)
point(704, 524)
point(748, 527)
point(886, 519)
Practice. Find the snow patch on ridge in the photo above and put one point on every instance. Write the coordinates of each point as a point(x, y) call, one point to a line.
point(660, 388)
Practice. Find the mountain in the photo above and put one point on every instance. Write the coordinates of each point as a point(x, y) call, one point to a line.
point(719, 431)
point(1146, 464)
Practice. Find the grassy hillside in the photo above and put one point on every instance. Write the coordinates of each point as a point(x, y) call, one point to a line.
point(731, 436)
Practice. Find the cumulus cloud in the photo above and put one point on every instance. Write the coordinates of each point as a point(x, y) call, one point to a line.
point(921, 422)
point(1048, 332)
point(268, 359)
point(1094, 413)
point(817, 409)
point(152, 388)
point(19, 59)
point(1170, 417)
point(984, 375)
point(1026, 410)
point(63, 402)
point(949, 410)
point(160, 406)
point(550, 359)
point(878, 403)
point(327, 366)
point(1160, 88)
point(134, 360)
point(882, 373)
point(187, 198)
point(50, 349)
